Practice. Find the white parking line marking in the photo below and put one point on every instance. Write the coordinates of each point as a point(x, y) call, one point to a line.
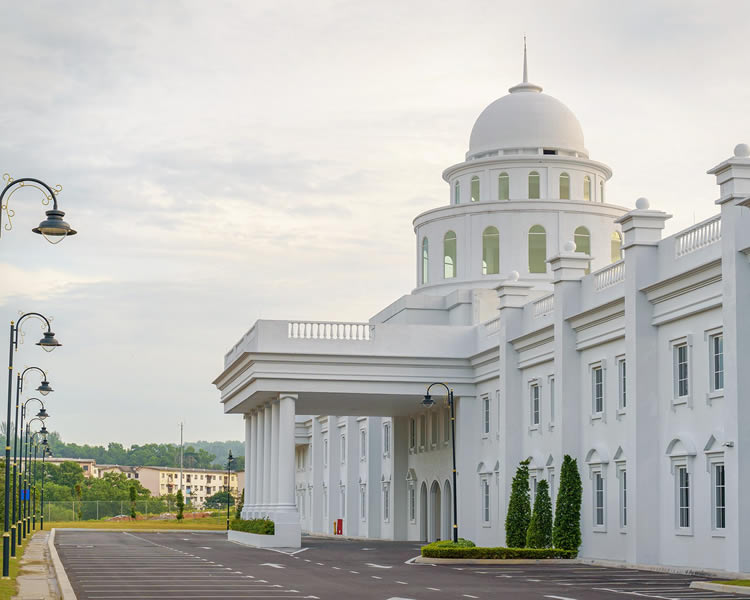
point(560, 597)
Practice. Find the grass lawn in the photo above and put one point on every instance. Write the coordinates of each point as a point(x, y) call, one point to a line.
point(207, 523)
point(742, 582)
point(8, 586)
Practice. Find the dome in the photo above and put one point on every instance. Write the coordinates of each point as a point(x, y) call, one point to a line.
point(526, 118)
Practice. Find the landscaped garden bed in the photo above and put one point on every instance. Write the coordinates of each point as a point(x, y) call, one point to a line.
point(446, 549)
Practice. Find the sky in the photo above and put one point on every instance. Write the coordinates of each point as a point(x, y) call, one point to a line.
point(229, 161)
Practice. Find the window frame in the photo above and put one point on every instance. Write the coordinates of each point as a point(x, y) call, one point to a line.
point(535, 404)
point(598, 474)
point(363, 502)
point(551, 397)
point(541, 234)
point(412, 434)
point(714, 464)
point(362, 444)
point(538, 185)
point(622, 489)
point(675, 346)
point(683, 474)
point(712, 336)
point(422, 432)
point(490, 244)
point(503, 186)
point(566, 177)
point(599, 366)
point(622, 385)
point(587, 188)
point(412, 500)
point(386, 502)
point(456, 192)
point(486, 415)
point(425, 260)
point(475, 181)
point(387, 439)
point(434, 429)
point(453, 257)
point(485, 496)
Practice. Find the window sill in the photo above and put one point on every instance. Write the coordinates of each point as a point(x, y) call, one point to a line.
point(533, 428)
point(550, 426)
point(715, 395)
point(680, 401)
point(717, 534)
point(486, 525)
point(595, 417)
point(623, 530)
point(599, 530)
point(684, 532)
point(622, 412)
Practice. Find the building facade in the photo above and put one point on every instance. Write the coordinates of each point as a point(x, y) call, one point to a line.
point(564, 324)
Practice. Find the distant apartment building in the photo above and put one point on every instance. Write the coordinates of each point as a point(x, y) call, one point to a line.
point(197, 484)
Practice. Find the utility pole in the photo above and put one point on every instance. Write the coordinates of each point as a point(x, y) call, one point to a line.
point(181, 446)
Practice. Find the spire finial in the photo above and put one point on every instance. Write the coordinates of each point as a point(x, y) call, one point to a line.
point(525, 67)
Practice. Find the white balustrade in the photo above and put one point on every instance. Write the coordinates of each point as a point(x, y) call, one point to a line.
point(544, 306)
point(492, 325)
point(609, 275)
point(698, 236)
point(324, 330)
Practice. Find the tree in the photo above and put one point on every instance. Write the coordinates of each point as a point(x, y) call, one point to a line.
point(180, 505)
point(240, 504)
point(133, 496)
point(219, 500)
point(519, 509)
point(539, 534)
point(78, 491)
point(70, 474)
point(567, 531)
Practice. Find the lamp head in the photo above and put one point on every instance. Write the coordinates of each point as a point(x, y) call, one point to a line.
point(43, 431)
point(230, 458)
point(42, 414)
point(54, 228)
point(48, 342)
point(44, 388)
point(428, 401)
point(45, 443)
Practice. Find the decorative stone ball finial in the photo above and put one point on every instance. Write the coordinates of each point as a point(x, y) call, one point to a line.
point(570, 246)
point(742, 150)
point(642, 203)
point(514, 276)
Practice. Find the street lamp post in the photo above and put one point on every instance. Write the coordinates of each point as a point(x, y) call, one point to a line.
point(230, 459)
point(53, 228)
point(428, 401)
point(45, 452)
point(49, 343)
point(28, 479)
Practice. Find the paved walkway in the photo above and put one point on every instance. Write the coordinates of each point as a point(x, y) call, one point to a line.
point(36, 579)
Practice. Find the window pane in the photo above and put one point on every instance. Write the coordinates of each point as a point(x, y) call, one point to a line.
point(624, 483)
point(457, 193)
point(534, 185)
point(564, 186)
point(425, 261)
point(475, 189)
point(582, 239)
point(449, 254)
point(537, 249)
point(717, 363)
point(681, 355)
point(615, 247)
point(684, 496)
point(490, 251)
point(601, 191)
point(587, 188)
point(503, 187)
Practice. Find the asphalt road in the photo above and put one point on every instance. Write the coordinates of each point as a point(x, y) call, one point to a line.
point(119, 565)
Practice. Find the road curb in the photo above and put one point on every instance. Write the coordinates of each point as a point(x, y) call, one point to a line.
point(720, 587)
point(63, 583)
point(141, 530)
point(674, 570)
point(423, 560)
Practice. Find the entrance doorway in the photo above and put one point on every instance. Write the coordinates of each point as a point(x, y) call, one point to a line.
point(435, 513)
point(447, 511)
point(423, 511)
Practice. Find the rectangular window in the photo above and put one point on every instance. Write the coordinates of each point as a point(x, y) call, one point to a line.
point(412, 434)
point(622, 379)
point(386, 439)
point(386, 503)
point(412, 504)
point(534, 390)
point(485, 500)
point(623, 498)
point(681, 370)
point(598, 500)
point(533, 484)
point(343, 449)
point(551, 479)
point(717, 362)
point(551, 399)
point(422, 431)
point(342, 499)
point(683, 497)
point(486, 414)
point(719, 497)
point(325, 503)
point(325, 452)
point(434, 428)
point(597, 390)
point(363, 502)
point(447, 425)
point(362, 444)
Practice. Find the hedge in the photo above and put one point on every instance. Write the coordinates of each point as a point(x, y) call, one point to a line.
point(436, 551)
point(259, 526)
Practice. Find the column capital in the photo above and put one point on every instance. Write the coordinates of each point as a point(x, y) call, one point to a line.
point(512, 294)
point(733, 177)
point(642, 226)
point(569, 265)
point(292, 395)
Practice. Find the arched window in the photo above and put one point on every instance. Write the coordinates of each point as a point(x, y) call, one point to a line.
point(615, 246)
point(534, 185)
point(582, 238)
point(587, 188)
point(601, 191)
point(564, 186)
point(537, 249)
point(425, 261)
point(475, 189)
point(449, 255)
point(490, 251)
point(457, 192)
point(503, 187)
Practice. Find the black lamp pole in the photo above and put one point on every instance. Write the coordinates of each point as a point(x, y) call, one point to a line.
point(48, 342)
point(230, 458)
point(428, 401)
point(30, 435)
point(45, 453)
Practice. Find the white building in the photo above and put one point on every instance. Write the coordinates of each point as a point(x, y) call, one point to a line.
point(565, 325)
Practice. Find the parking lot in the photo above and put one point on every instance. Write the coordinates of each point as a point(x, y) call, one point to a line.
point(119, 565)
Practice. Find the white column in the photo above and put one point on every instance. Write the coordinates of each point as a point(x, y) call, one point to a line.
point(258, 461)
point(285, 451)
point(249, 471)
point(274, 452)
point(267, 465)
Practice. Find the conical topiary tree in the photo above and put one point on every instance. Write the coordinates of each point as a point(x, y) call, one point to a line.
point(566, 534)
point(519, 509)
point(539, 534)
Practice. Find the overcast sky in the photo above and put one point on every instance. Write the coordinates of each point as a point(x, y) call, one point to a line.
point(229, 161)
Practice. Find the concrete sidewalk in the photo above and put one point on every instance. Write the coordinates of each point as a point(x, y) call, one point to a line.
point(36, 577)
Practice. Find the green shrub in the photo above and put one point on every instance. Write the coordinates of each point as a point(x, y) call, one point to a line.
point(539, 534)
point(180, 505)
point(259, 526)
point(462, 543)
point(435, 550)
point(567, 530)
point(519, 508)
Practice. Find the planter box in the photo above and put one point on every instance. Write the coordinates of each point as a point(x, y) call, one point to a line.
point(288, 535)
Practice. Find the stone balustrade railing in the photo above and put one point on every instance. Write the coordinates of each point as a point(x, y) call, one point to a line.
point(492, 325)
point(698, 236)
point(326, 330)
point(544, 306)
point(609, 275)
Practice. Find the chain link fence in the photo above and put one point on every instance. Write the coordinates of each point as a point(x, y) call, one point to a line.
point(89, 510)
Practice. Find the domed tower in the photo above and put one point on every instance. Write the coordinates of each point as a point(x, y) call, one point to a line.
point(527, 186)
